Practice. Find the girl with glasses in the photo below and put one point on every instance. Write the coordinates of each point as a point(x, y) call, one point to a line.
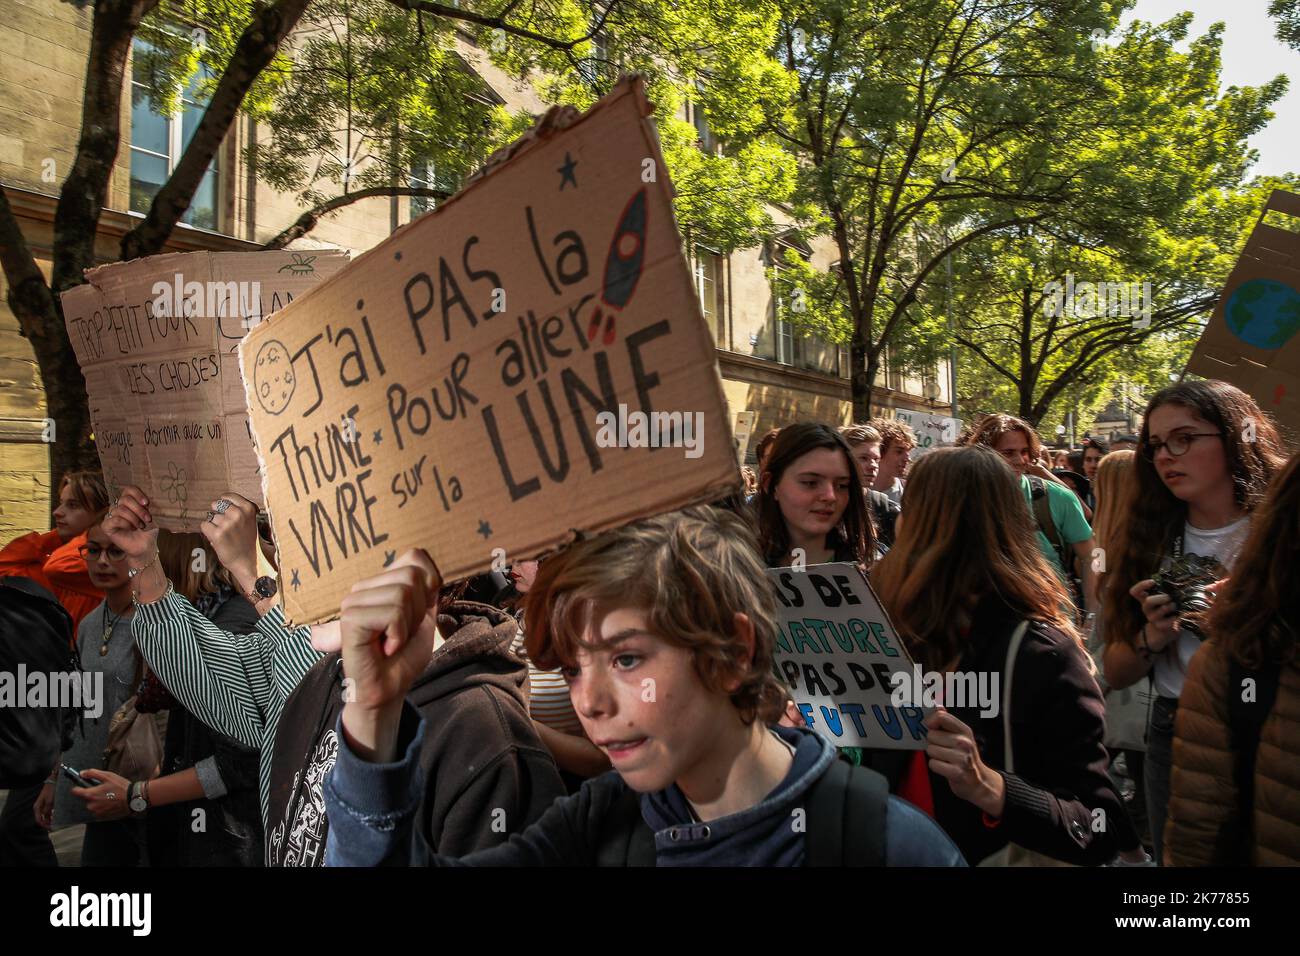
point(114, 837)
point(1206, 456)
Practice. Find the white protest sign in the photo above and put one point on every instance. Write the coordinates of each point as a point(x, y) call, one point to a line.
point(932, 431)
point(837, 652)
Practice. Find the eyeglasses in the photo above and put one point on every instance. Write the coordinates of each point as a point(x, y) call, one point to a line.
point(93, 552)
point(1177, 444)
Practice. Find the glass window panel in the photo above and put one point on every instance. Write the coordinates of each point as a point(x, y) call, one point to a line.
point(707, 276)
point(190, 117)
point(203, 208)
point(194, 82)
point(148, 173)
point(148, 130)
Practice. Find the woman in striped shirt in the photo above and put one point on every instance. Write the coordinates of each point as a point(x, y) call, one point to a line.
point(550, 707)
point(237, 684)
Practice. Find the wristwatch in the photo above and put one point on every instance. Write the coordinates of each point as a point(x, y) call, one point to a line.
point(138, 799)
point(263, 588)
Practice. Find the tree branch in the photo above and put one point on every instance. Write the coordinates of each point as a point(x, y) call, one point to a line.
point(499, 23)
point(308, 220)
point(255, 49)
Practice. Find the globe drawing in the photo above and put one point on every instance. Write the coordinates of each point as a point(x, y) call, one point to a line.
point(1264, 313)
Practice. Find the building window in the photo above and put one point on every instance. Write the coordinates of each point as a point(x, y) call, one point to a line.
point(157, 143)
point(708, 286)
point(785, 342)
point(709, 144)
point(425, 174)
point(789, 346)
point(595, 68)
point(893, 374)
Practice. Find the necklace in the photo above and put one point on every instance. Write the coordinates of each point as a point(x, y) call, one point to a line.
point(110, 621)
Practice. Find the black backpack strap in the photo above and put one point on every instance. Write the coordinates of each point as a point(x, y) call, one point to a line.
point(1245, 724)
point(1043, 516)
point(626, 840)
point(846, 817)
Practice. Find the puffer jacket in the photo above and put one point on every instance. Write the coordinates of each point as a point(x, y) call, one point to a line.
point(1203, 809)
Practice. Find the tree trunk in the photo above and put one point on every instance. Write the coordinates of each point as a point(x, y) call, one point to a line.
point(76, 219)
point(41, 323)
point(35, 302)
point(864, 365)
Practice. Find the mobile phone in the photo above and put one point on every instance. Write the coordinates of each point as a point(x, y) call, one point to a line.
point(76, 777)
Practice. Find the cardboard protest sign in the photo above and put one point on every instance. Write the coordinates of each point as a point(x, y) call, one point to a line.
point(838, 653)
point(525, 362)
point(156, 341)
point(1251, 338)
point(932, 431)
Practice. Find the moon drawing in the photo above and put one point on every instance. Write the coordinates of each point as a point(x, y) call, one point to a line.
point(273, 377)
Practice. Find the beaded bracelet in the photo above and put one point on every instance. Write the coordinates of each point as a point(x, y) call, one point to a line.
point(132, 572)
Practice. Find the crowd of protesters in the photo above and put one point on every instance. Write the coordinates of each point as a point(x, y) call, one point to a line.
point(617, 703)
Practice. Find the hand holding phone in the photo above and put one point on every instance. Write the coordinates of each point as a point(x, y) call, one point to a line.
point(76, 777)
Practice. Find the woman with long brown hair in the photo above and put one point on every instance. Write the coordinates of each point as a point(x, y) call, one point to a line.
point(969, 591)
point(1234, 781)
point(810, 498)
point(1206, 455)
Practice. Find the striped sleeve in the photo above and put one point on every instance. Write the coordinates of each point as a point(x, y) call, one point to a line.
point(236, 684)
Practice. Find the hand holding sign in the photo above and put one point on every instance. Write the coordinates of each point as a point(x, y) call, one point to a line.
point(387, 633)
point(128, 525)
point(231, 529)
point(953, 754)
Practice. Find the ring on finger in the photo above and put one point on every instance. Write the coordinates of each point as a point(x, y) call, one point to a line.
point(222, 506)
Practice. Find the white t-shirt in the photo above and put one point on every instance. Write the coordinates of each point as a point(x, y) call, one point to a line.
point(548, 695)
point(1222, 544)
point(895, 491)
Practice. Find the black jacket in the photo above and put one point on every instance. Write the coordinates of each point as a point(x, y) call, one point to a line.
point(493, 775)
point(1058, 721)
point(228, 830)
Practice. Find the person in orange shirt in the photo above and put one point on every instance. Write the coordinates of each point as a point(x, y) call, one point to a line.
point(53, 559)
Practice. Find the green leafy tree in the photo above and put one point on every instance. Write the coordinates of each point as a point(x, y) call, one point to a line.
point(337, 80)
point(928, 130)
point(1287, 13)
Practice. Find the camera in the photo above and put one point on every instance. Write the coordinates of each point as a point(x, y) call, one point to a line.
point(1186, 581)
